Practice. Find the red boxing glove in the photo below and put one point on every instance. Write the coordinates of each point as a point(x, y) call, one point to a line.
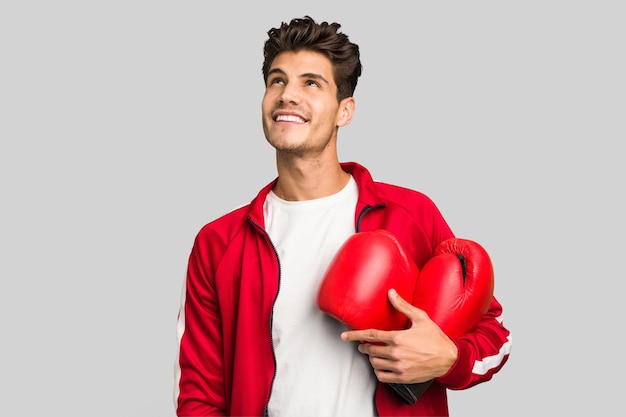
point(354, 287)
point(455, 289)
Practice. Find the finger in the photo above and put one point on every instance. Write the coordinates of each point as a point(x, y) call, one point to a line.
point(376, 350)
point(413, 313)
point(369, 335)
point(382, 364)
point(385, 370)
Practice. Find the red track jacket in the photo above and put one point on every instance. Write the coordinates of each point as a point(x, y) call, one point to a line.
point(225, 363)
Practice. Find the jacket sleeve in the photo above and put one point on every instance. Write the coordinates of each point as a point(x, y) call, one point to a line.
point(199, 384)
point(483, 351)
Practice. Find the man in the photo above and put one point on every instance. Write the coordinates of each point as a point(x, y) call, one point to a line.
point(252, 341)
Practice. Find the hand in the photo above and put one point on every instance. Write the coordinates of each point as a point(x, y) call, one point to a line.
point(418, 354)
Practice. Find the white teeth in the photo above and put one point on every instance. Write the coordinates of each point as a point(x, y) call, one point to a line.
point(289, 118)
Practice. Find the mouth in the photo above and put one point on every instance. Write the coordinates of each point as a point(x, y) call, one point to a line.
point(291, 118)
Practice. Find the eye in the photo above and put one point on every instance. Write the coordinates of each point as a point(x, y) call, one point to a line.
point(275, 80)
point(312, 83)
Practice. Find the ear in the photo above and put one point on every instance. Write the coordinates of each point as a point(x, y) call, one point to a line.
point(345, 112)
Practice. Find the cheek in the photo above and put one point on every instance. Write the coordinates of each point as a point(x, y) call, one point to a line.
point(269, 98)
point(264, 103)
point(266, 112)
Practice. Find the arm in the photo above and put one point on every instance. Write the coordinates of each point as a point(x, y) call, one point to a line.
point(423, 352)
point(199, 389)
point(483, 351)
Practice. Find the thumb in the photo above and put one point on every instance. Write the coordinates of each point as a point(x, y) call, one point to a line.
point(403, 306)
point(400, 303)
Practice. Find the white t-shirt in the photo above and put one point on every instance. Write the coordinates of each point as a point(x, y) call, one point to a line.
point(317, 374)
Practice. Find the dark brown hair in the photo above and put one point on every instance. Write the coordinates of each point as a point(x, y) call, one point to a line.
point(325, 38)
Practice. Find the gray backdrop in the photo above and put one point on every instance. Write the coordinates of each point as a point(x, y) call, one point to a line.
point(127, 125)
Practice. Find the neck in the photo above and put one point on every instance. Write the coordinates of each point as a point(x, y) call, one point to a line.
point(300, 180)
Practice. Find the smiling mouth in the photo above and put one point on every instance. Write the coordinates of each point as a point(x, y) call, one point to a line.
point(289, 118)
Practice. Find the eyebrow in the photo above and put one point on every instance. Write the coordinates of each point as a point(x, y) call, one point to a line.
point(310, 75)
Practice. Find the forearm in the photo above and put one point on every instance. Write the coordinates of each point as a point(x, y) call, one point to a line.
point(199, 389)
point(482, 352)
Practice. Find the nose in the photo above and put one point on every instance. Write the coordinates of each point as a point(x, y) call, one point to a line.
point(289, 94)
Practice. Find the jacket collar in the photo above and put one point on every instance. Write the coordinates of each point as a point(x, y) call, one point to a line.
point(368, 197)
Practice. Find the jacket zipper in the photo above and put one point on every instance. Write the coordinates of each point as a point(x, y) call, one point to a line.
point(260, 228)
point(365, 210)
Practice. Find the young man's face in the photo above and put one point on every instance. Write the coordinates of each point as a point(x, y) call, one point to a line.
point(300, 109)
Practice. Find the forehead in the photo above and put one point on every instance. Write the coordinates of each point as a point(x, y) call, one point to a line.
point(303, 62)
